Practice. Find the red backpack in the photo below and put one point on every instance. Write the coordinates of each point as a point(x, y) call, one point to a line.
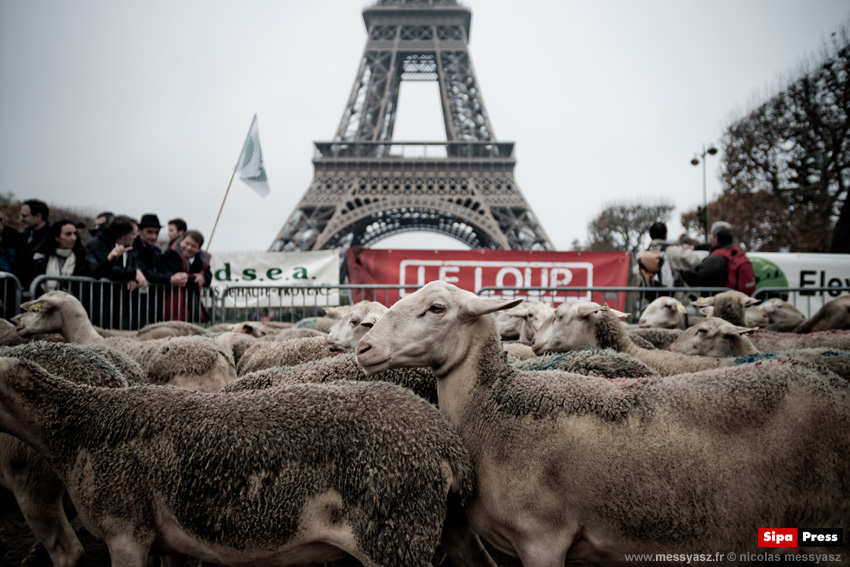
point(740, 269)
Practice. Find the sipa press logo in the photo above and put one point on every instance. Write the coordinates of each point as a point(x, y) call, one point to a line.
point(802, 537)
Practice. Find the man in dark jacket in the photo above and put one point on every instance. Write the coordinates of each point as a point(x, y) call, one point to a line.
point(148, 258)
point(34, 216)
point(109, 257)
point(713, 271)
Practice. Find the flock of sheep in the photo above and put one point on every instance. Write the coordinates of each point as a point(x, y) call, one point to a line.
point(406, 436)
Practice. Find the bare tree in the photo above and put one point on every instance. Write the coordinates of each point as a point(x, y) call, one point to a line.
point(623, 226)
point(786, 164)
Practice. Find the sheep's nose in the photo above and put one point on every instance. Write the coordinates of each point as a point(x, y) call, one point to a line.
point(363, 349)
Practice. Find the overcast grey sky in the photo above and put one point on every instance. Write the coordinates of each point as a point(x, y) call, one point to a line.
point(143, 106)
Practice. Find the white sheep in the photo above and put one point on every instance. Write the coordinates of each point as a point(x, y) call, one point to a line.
point(291, 475)
point(588, 469)
point(664, 312)
point(585, 323)
point(195, 363)
point(353, 324)
point(833, 315)
point(781, 315)
point(715, 337)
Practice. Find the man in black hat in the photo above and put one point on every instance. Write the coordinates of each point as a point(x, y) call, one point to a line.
point(149, 261)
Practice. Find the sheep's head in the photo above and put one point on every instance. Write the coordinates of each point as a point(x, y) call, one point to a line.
point(433, 327)
point(347, 332)
point(715, 337)
point(730, 305)
point(573, 324)
point(666, 313)
point(781, 315)
point(756, 317)
point(47, 313)
point(511, 323)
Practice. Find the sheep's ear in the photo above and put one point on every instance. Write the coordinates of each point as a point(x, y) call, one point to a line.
point(705, 300)
point(681, 308)
point(370, 321)
point(730, 329)
point(618, 314)
point(707, 310)
point(587, 309)
point(750, 301)
point(478, 306)
point(39, 305)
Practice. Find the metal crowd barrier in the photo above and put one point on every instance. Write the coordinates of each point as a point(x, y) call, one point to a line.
point(293, 303)
point(111, 305)
point(11, 295)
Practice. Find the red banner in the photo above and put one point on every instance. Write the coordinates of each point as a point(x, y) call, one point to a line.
point(476, 269)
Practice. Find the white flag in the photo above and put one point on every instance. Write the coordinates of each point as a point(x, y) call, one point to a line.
point(250, 164)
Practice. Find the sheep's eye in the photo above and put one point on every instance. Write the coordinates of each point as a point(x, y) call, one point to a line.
point(703, 331)
point(437, 308)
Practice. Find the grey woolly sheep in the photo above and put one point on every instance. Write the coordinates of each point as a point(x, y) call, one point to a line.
point(268, 354)
point(569, 465)
point(664, 312)
point(781, 315)
point(237, 343)
point(730, 305)
point(295, 333)
point(8, 335)
point(588, 361)
point(718, 338)
point(580, 323)
point(165, 329)
point(195, 363)
point(766, 341)
point(519, 351)
point(343, 367)
point(36, 488)
point(291, 475)
point(321, 324)
point(833, 315)
point(715, 337)
point(656, 337)
point(350, 328)
point(252, 328)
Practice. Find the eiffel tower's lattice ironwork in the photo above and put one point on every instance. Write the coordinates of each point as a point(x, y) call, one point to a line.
point(368, 187)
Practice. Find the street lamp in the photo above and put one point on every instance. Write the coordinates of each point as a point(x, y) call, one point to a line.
point(711, 150)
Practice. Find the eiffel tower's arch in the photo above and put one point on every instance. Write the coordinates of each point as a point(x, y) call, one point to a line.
point(367, 186)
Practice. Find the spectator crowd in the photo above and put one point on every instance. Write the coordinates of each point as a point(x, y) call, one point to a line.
point(121, 249)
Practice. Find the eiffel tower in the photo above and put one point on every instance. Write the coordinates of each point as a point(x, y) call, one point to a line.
point(367, 186)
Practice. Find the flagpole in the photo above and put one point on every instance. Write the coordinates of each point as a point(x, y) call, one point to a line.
point(221, 208)
point(236, 167)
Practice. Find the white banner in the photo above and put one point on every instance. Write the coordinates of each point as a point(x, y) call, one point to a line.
point(798, 270)
point(776, 269)
point(276, 279)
